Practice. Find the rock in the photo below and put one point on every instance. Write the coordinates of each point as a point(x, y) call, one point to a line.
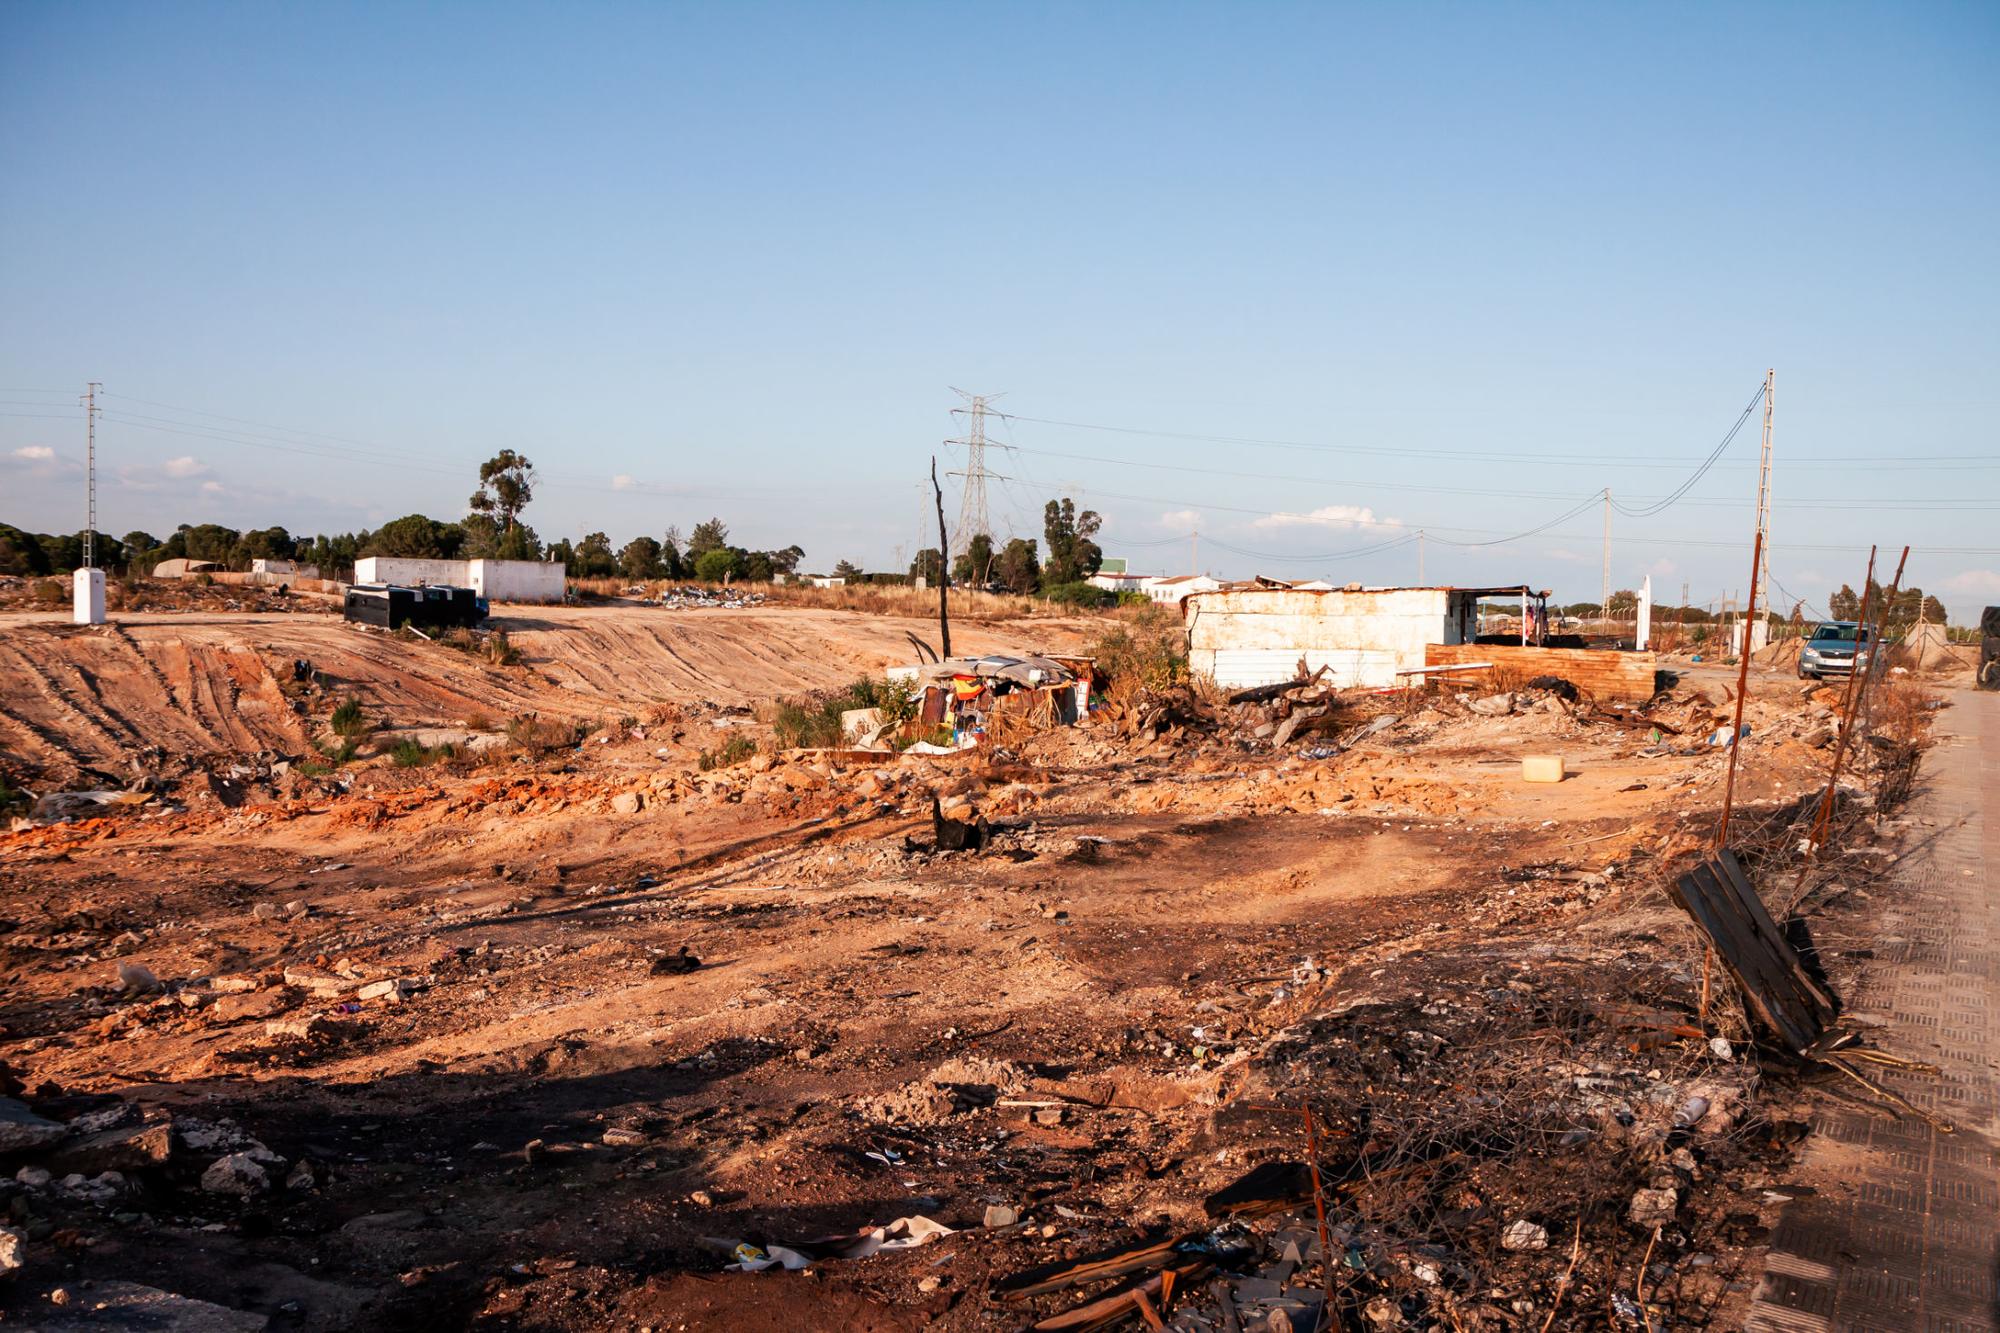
point(623, 1138)
point(930, 1284)
point(1524, 1235)
point(238, 1174)
point(265, 911)
point(1000, 1215)
point(33, 1177)
point(1493, 705)
point(324, 985)
point(21, 1129)
point(253, 1004)
point(308, 1027)
point(133, 1148)
point(301, 1177)
point(13, 1250)
point(138, 979)
point(1049, 1115)
point(1653, 1208)
point(234, 984)
point(627, 803)
point(391, 991)
point(1720, 1048)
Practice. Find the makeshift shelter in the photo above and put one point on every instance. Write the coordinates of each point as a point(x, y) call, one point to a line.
point(182, 569)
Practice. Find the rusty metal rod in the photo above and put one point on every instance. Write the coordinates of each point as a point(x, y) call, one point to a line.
point(1742, 688)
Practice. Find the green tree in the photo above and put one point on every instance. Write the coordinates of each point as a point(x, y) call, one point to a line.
point(416, 537)
point(561, 552)
point(709, 536)
point(593, 557)
point(673, 563)
point(1019, 568)
point(1072, 555)
point(975, 562)
point(640, 559)
point(506, 485)
point(849, 571)
point(928, 566)
point(21, 552)
point(1844, 604)
point(715, 565)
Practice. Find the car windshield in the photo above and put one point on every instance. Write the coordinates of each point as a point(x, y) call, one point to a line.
point(1837, 634)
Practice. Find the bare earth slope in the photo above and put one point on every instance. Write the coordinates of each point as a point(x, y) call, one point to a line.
point(84, 700)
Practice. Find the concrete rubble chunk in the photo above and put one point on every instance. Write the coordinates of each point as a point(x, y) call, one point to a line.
point(1000, 1215)
point(239, 1174)
point(1524, 1235)
point(307, 1027)
point(13, 1249)
point(627, 803)
point(131, 1148)
point(250, 1004)
point(21, 1129)
point(138, 979)
point(1653, 1208)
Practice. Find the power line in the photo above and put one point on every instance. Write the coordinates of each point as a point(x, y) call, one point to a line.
point(1701, 471)
point(1588, 459)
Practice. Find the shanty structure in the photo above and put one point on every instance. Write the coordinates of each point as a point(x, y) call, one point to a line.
point(1266, 632)
point(495, 580)
point(967, 694)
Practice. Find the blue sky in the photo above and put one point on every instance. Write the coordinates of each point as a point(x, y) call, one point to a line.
point(1482, 261)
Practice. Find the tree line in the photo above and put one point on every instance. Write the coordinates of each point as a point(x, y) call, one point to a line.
point(493, 528)
point(1019, 566)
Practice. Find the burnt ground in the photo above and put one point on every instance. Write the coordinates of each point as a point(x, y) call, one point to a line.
point(1174, 948)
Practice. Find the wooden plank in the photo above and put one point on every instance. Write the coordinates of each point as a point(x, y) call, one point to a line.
point(1605, 673)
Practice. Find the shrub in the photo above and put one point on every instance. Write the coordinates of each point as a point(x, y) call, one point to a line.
point(477, 722)
point(813, 720)
point(409, 754)
point(341, 753)
point(1081, 595)
point(733, 752)
point(538, 735)
point(1147, 652)
point(348, 720)
point(501, 649)
point(49, 592)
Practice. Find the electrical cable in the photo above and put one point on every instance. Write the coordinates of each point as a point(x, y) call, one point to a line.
point(1699, 472)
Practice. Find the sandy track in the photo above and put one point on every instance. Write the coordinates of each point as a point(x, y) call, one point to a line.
point(80, 701)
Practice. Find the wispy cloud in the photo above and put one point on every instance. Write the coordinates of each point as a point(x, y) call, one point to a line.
point(1327, 516)
point(1181, 518)
point(1976, 582)
point(184, 467)
point(622, 482)
point(35, 453)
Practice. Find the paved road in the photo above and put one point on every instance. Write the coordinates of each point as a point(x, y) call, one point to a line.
point(1904, 1233)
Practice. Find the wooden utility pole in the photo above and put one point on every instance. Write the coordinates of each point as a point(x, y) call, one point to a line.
point(944, 571)
point(1604, 608)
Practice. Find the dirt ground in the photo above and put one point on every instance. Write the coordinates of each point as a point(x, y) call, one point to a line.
point(536, 1038)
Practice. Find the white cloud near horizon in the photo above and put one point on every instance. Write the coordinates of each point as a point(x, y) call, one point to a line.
point(1328, 516)
point(624, 482)
point(184, 467)
point(35, 453)
point(1181, 518)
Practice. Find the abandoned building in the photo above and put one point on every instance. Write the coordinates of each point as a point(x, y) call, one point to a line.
point(1260, 634)
point(495, 580)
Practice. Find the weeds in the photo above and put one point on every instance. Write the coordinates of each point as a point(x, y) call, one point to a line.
point(348, 719)
point(409, 754)
point(812, 721)
point(1145, 652)
point(538, 735)
point(732, 752)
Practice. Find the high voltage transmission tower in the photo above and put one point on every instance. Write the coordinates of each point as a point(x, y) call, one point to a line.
point(972, 517)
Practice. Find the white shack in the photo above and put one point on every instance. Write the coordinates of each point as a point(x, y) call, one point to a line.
point(1246, 636)
point(495, 580)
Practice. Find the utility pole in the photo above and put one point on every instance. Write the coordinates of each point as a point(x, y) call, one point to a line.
point(1763, 511)
point(1604, 601)
point(90, 411)
point(1420, 557)
point(972, 519)
point(1194, 554)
